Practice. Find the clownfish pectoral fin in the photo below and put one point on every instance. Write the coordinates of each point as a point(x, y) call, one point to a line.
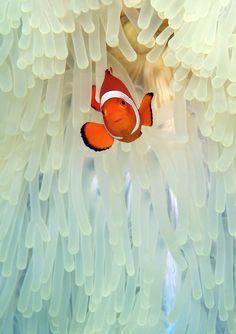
point(94, 103)
point(96, 137)
point(145, 110)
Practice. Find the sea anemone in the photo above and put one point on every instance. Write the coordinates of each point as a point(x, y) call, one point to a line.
point(139, 238)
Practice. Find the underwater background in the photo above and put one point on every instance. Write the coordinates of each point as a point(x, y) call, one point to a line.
point(139, 238)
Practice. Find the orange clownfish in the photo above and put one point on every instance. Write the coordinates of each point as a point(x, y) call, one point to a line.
point(122, 119)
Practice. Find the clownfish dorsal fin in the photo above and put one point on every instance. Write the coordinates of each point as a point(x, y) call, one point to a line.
point(108, 70)
point(145, 110)
point(96, 137)
point(94, 103)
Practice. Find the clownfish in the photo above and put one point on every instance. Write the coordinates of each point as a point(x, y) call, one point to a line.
point(122, 119)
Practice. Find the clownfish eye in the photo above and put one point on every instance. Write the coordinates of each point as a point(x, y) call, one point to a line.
point(123, 102)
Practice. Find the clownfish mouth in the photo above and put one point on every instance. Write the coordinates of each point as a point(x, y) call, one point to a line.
point(118, 120)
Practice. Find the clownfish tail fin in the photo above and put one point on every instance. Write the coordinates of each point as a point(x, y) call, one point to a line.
point(94, 103)
point(145, 110)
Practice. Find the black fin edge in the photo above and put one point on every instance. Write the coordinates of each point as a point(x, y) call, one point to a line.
point(151, 94)
point(83, 135)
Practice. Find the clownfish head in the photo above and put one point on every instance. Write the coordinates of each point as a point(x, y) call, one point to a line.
point(119, 117)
